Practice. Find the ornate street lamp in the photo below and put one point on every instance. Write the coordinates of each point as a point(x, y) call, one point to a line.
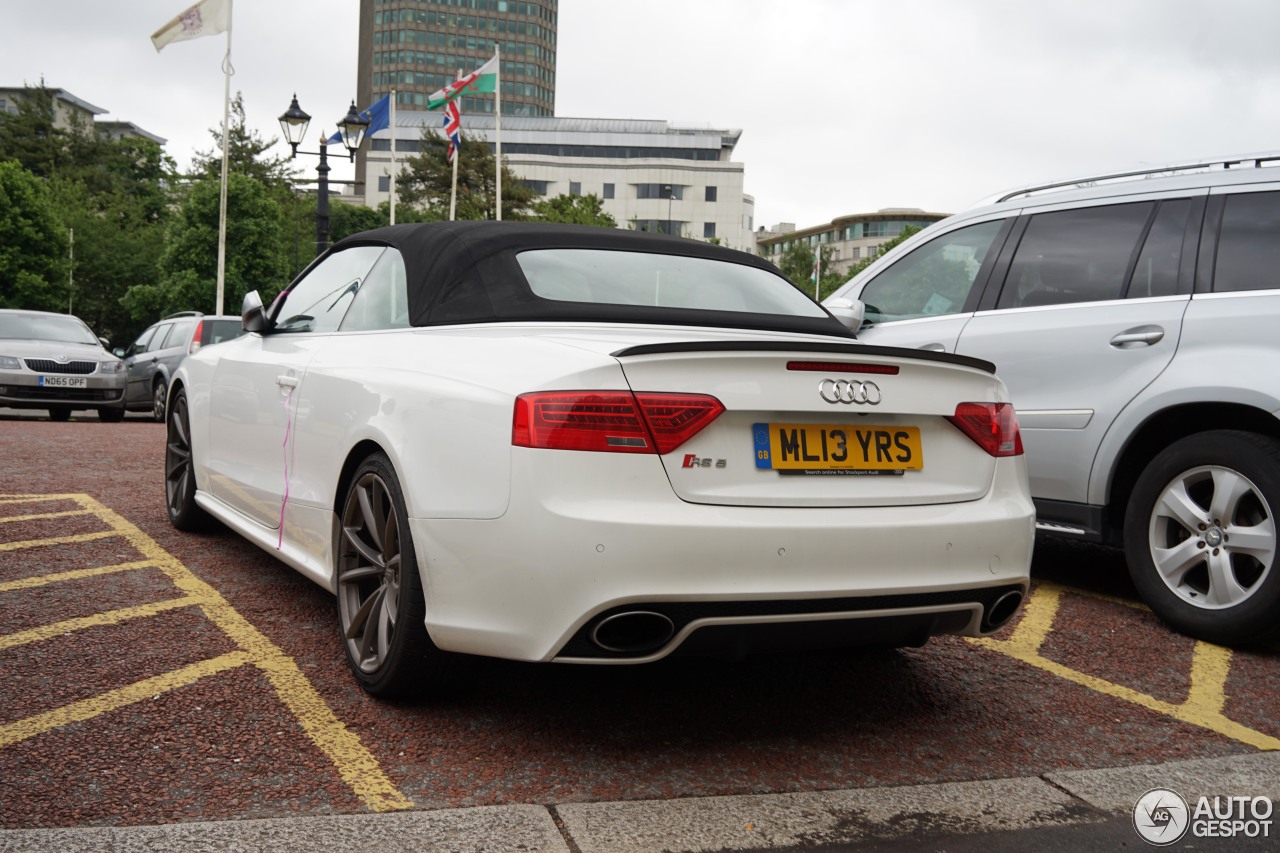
point(294, 124)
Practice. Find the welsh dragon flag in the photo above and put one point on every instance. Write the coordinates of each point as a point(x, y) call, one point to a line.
point(484, 80)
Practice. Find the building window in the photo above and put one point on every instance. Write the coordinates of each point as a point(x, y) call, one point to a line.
point(575, 188)
point(673, 191)
point(711, 194)
point(857, 253)
point(658, 226)
point(384, 183)
point(608, 190)
point(708, 230)
point(540, 187)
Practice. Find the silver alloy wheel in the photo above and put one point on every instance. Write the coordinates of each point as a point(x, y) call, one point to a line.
point(177, 458)
point(1212, 537)
point(369, 566)
point(158, 400)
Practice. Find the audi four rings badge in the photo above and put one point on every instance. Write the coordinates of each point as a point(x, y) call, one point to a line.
point(849, 391)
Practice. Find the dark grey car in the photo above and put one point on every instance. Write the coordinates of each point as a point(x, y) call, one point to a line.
point(156, 354)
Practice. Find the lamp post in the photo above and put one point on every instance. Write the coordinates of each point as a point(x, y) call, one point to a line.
point(352, 127)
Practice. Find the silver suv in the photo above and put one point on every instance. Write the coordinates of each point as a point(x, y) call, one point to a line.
point(156, 354)
point(1135, 318)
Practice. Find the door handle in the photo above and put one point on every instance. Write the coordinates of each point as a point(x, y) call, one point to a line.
point(933, 347)
point(287, 381)
point(1138, 336)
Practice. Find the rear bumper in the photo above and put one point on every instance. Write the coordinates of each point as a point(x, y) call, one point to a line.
point(531, 584)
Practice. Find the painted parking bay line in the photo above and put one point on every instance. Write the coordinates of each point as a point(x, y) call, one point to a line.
point(355, 764)
point(1210, 666)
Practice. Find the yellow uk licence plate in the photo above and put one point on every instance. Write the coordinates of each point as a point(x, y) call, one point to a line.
point(838, 448)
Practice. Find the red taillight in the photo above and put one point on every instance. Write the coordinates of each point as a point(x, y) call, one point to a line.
point(611, 421)
point(843, 367)
point(195, 339)
point(992, 426)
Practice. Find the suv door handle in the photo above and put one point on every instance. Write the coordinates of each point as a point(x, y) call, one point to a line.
point(933, 347)
point(287, 381)
point(1138, 336)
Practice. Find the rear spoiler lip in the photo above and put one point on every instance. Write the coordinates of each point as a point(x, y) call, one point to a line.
point(808, 346)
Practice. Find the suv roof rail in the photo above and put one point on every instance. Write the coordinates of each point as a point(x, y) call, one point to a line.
point(1219, 163)
point(185, 314)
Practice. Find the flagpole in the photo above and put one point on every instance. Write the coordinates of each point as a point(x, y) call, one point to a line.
point(457, 155)
point(497, 123)
point(817, 273)
point(222, 191)
point(393, 157)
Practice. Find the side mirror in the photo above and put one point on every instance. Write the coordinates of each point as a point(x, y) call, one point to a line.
point(252, 316)
point(847, 311)
point(118, 352)
point(106, 344)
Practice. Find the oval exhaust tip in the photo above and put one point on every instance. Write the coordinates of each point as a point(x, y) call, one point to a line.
point(633, 632)
point(1004, 608)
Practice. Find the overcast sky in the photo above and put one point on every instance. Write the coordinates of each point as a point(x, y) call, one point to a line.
point(845, 106)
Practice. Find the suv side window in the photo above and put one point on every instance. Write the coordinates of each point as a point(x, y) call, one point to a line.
point(140, 345)
point(157, 340)
point(178, 334)
point(382, 302)
point(1249, 243)
point(932, 280)
point(1078, 255)
point(318, 302)
point(1156, 273)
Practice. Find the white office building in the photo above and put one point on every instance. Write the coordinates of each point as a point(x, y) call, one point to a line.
point(651, 175)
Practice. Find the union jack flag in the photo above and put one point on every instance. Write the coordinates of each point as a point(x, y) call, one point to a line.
point(453, 128)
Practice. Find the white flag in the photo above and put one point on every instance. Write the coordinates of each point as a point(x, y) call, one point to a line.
point(206, 18)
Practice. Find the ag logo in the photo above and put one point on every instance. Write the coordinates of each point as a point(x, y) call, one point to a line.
point(1161, 817)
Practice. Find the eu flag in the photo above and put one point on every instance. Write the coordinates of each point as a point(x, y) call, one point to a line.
point(378, 115)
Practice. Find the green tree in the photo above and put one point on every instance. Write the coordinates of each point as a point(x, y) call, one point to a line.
point(425, 182)
point(29, 134)
point(347, 219)
point(796, 264)
point(247, 155)
point(33, 243)
point(115, 195)
point(573, 209)
point(256, 259)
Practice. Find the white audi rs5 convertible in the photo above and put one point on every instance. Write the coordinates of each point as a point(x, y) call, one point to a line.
point(587, 445)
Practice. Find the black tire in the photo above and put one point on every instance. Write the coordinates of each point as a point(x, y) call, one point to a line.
point(179, 471)
point(1194, 498)
point(159, 397)
point(111, 416)
point(60, 414)
point(381, 606)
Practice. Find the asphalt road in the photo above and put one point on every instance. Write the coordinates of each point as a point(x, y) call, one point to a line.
point(160, 678)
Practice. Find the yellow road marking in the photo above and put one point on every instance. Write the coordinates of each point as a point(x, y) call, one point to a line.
point(87, 709)
point(1209, 669)
point(42, 515)
point(38, 498)
point(73, 575)
point(57, 540)
point(110, 617)
point(353, 761)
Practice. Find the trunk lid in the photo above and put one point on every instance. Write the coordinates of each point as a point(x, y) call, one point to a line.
point(820, 424)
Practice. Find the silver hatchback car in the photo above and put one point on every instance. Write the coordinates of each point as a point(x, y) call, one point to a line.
point(1134, 318)
point(54, 362)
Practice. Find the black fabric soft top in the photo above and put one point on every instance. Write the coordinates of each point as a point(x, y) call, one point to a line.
point(466, 272)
